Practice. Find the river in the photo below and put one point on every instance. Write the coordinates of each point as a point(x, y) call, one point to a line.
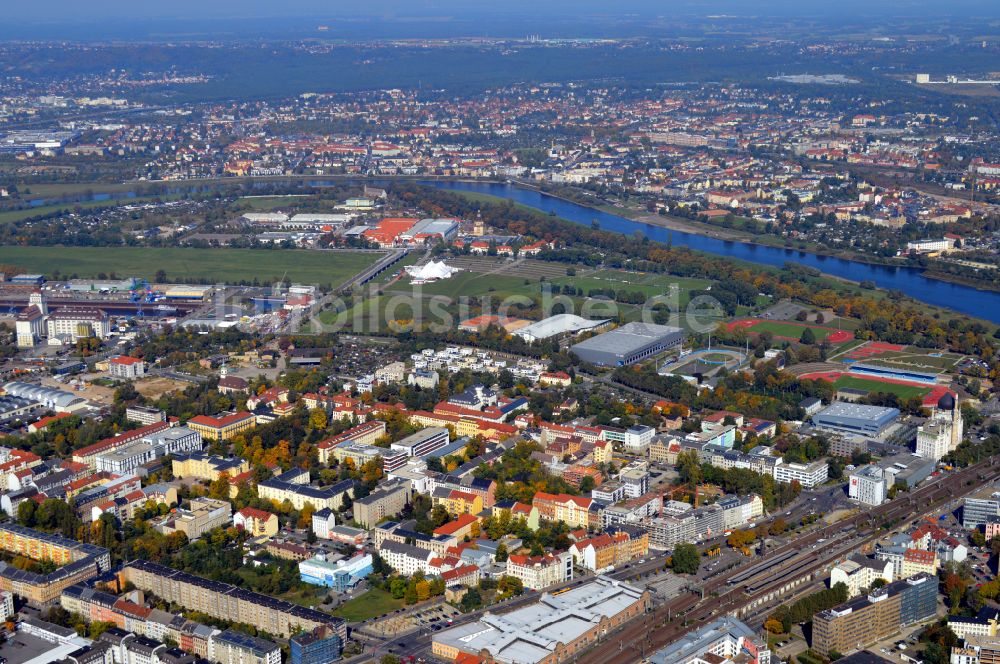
point(958, 297)
point(965, 299)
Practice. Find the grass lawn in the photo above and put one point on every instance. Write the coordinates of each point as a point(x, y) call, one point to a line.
point(915, 360)
point(649, 284)
point(50, 190)
point(473, 283)
point(845, 349)
point(372, 604)
point(17, 215)
point(789, 330)
point(902, 391)
point(267, 203)
point(218, 265)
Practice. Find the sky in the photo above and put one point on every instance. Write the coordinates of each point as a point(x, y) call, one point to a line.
point(95, 18)
point(74, 10)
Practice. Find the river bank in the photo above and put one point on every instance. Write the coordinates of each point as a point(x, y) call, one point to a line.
point(685, 225)
point(940, 297)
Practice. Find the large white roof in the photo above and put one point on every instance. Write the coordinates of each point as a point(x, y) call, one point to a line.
point(556, 325)
point(431, 271)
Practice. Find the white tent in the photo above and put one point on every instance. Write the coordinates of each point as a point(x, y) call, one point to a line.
point(432, 271)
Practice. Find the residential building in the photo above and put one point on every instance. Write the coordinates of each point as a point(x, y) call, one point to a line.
point(385, 501)
point(917, 561)
point(203, 515)
point(257, 523)
point(78, 562)
point(859, 573)
point(127, 368)
point(575, 511)
point(319, 646)
point(227, 602)
point(457, 501)
point(986, 624)
point(144, 416)
point(603, 553)
point(406, 558)
point(231, 647)
point(808, 475)
point(322, 523)
point(539, 572)
point(635, 481)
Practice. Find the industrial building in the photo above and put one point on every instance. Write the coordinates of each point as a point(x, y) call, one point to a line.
point(943, 432)
point(554, 629)
point(58, 400)
point(558, 326)
point(628, 344)
point(858, 419)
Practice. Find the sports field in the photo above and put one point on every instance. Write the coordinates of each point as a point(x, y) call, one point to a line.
point(903, 391)
point(905, 358)
point(214, 265)
point(791, 331)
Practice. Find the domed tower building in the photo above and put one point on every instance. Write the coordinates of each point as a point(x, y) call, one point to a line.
point(943, 431)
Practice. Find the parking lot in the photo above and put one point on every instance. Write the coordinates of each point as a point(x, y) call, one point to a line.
point(431, 617)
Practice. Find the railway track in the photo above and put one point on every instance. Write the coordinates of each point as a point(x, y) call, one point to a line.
point(667, 623)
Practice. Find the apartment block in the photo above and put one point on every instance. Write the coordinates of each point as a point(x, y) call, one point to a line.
point(228, 602)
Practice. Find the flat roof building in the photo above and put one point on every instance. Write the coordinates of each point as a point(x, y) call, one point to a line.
point(867, 619)
point(628, 344)
point(557, 326)
point(869, 421)
point(554, 629)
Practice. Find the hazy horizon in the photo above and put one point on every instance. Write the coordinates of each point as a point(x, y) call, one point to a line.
point(434, 18)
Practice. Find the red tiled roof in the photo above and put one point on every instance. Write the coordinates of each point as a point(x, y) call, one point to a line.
point(254, 513)
point(219, 422)
point(450, 528)
point(125, 360)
